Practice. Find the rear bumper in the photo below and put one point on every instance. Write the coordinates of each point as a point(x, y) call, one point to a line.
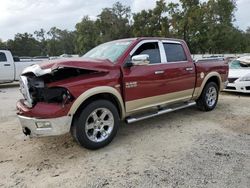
point(45, 127)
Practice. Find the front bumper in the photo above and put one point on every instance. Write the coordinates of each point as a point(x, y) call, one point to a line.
point(224, 85)
point(45, 127)
point(238, 86)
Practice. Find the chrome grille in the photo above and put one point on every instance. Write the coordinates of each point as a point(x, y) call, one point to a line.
point(24, 88)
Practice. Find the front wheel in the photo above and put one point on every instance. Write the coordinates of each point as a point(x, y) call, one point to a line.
point(96, 125)
point(209, 97)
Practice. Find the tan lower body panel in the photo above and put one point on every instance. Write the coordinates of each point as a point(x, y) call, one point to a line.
point(145, 103)
point(196, 93)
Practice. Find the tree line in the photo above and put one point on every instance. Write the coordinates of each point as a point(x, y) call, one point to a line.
point(207, 27)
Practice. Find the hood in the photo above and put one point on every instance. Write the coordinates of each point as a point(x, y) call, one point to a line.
point(78, 63)
point(244, 59)
point(237, 73)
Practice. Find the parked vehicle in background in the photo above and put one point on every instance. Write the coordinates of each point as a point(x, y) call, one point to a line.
point(40, 58)
point(128, 80)
point(36, 58)
point(25, 58)
point(239, 75)
point(64, 56)
point(11, 67)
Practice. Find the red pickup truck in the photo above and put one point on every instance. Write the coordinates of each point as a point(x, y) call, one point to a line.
point(123, 80)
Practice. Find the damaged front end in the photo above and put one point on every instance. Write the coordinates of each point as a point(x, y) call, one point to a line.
point(47, 100)
point(35, 89)
point(34, 86)
point(46, 83)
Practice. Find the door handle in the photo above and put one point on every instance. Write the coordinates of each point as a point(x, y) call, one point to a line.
point(6, 65)
point(189, 68)
point(159, 72)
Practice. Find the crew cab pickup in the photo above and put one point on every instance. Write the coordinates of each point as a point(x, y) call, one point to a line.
point(10, 70)
point(123, 80)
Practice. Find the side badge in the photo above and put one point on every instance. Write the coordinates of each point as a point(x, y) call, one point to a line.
point(131, 84)
point(202, 75)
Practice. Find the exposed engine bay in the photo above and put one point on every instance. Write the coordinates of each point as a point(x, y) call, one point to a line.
point(40, 93)
point(34, 88)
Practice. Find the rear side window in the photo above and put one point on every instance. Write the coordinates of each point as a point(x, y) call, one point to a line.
point(150, 49)
point(3, 57)
point(174, 52)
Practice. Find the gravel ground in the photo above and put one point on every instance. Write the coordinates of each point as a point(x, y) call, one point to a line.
point(187, 148)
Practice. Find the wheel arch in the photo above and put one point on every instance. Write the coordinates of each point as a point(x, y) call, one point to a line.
point(102, 92)
point(211, 77)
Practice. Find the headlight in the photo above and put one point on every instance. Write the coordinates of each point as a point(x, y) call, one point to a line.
point(245, 78)
point(57, 95)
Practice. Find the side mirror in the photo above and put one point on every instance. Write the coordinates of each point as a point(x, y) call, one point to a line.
point(140, 59)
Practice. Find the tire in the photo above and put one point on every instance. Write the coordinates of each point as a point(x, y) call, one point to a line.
point(96, 125)
point(209, 97)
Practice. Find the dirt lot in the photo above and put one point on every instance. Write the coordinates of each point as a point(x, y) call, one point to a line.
point(187, 148)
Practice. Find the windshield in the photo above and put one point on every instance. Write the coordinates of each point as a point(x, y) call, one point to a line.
point(236, 64)
point(111, 50)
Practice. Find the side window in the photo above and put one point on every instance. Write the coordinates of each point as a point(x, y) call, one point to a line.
point(175, 52)
point(3, 57)
point(151, 49)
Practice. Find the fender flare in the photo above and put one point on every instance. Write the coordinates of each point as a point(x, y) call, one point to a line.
point(198, 90)
point(94, 91)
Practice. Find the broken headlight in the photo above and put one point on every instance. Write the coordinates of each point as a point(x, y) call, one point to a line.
point(51, 95)
point(56, 95)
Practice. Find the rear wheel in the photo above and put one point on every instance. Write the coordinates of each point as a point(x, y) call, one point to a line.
point(209, 97)
point(96, 125)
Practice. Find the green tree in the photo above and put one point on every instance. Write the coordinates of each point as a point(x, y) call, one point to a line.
point(152, 22)
point(87, 35)
point(114, 23)
point(247, 40)
point(41, 37)
point(60, 42)
point(206, 26)
point(53, 43)
point(2, 44)
point(219, 16)
point(187, 22)
point(24, 45)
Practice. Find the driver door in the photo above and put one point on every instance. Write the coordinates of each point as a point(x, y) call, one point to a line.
point(142, 84)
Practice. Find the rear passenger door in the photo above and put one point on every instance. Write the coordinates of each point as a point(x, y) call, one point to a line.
point(179, 72)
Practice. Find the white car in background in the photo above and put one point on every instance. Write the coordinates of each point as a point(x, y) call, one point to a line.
point(239, 75)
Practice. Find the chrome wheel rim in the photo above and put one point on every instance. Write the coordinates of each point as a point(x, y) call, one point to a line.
point(99, 124)
point(211, 96)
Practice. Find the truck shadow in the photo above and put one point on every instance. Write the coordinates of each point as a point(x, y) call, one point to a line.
point(127, 134)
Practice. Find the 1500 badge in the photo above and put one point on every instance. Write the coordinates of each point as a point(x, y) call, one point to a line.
point(131, 84)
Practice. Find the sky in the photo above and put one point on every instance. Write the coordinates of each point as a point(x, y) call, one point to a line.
point(19, 16)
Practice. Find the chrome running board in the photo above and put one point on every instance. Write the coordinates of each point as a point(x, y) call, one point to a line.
point(160, 112)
